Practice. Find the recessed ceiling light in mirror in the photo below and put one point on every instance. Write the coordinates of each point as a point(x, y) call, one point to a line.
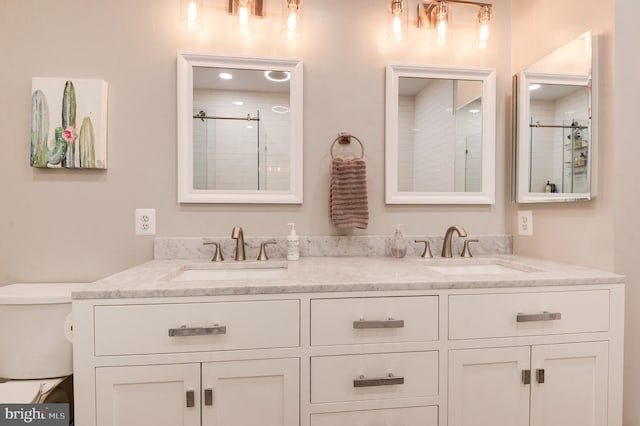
point(534, 86)
point(278, 76)
point(280, 109)
point(225, 76)
point(238, 103)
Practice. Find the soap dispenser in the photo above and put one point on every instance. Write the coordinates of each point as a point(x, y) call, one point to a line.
point(293, 243)
point(398, 243)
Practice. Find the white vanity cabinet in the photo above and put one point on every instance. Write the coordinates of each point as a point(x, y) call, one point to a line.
point(159, 395)
point(431, 357)
point(536, 384)
point(214, 393)
point(542, 385)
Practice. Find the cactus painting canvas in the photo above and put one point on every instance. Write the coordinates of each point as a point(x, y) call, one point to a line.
point(68, 123)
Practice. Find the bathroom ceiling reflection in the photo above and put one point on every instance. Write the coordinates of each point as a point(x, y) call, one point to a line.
point(241, 122)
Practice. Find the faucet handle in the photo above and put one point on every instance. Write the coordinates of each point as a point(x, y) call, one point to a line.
point(466, 252)
point(217, 254)
point(426, 253)
point(263, 249)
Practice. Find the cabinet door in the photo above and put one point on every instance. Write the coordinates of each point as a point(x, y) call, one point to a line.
point(148, 395)
point(574, 389)
point(486, 387)
point(250, 393)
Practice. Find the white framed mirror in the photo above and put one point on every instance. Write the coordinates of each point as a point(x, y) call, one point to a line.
point(555, 141)
point(239, 129)
point(440, 135)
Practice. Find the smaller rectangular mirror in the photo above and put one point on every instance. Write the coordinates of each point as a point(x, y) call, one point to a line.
point(440, 135)
point(554, 150)
point(239, 130)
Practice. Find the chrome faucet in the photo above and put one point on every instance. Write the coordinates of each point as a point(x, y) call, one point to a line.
point(446, 245)
point(238, 235)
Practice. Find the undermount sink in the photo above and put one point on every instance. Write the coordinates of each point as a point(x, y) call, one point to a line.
point(229, 271)
point(479, 267)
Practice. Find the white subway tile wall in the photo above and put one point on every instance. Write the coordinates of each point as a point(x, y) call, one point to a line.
point(427, 161)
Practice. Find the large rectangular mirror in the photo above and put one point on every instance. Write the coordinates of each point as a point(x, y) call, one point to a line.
point(554, 150)
point(239, 130)
point(440, 135)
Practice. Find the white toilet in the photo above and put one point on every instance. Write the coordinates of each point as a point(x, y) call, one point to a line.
point(35, 343)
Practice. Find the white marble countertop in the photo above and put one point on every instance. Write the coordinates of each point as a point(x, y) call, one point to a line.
point(339, 274)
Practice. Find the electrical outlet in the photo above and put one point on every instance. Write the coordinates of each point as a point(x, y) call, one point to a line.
point(525, 222)
point(145, 221)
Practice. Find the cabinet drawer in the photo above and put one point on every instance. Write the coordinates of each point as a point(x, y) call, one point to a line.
point(374, 320)
point(145, 329)
point(374, 376)
point(412, 416)
point(474, 316)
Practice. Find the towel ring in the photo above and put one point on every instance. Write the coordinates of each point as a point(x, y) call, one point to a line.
point(344, 138)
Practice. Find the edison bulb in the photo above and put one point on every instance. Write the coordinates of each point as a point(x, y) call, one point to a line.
point(243, 16)
point(442, 31)
point(292, 21)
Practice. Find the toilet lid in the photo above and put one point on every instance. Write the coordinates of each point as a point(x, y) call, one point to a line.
point(25, 391)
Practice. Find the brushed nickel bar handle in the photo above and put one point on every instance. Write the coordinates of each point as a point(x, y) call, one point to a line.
point(540, 375)
point(191, 399)
point(197, 331)
point(526, 377)
point(362, 382)
point(388, 323)
point(545, 316)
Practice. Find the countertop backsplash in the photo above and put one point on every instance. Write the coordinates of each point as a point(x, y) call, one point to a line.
point(325, 246)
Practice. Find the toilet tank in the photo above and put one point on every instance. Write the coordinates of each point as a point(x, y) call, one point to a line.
point(33, 342)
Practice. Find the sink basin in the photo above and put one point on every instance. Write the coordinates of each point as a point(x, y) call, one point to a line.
point(229, 271)
point(479, 267)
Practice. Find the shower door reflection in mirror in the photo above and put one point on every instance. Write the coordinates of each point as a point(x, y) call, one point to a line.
point(440, 126)
point(560, 135)
point(555, 144)
point(240, 136)
point(239, 129)
point(433, 113)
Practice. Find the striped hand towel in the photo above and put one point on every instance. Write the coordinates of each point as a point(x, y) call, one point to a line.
point(348, 199)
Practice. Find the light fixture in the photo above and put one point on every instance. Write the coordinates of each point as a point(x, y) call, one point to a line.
point(435, 14)
point(225, 76)
point(244, 13)
point(534, 86)
point(278, 76)
point(192, 14)
point(399, 22)
point(244, 10)
point(292, 19)
point(280, 109)
point(484, 15)
point(238, 103)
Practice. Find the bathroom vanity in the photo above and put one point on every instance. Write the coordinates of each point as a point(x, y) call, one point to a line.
point(351, 341)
